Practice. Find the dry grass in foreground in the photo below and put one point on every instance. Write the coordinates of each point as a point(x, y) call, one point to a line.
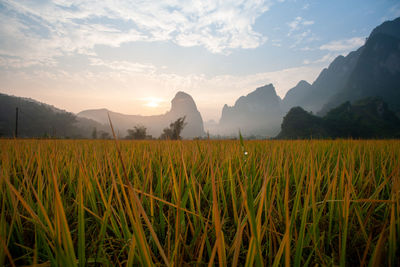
point(69, 203)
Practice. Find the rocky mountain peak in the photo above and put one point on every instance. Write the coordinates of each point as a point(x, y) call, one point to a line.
point(183, 103)
point(264, 91)
point(303, 83)
point(391, 28)
point(257, 113)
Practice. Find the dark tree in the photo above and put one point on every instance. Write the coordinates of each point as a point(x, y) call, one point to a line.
point(104, 135)
point(137, 133)
point(94, 133)
point(174, 130)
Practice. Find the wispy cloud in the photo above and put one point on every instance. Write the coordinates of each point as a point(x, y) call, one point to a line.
point(300, 32)
point(307, 48)
point(344, 45)
point(325, 59)
point(304, 37)
point(392, 13)
point(297, 24)
point(124, 66)
point(42, 30)
point(276, 42)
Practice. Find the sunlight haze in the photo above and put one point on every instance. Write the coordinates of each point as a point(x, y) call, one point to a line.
point(133, 57)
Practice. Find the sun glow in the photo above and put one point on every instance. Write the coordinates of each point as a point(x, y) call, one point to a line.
point(152, 102)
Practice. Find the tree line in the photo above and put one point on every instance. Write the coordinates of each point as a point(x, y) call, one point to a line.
point(139, 132)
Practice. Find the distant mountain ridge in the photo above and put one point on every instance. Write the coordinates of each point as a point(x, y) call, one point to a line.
point(377, 73)
point(37, 119)
point(257, 113)
point(181, 105)
point(327, 84)
point(293, 95)
point(371, 70)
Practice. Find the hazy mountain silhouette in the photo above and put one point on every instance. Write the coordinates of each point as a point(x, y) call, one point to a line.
point(327, 84)
point(181, 105)
point(371, 70)
point(390, 27)
point(377, 72)
point(36, 119)
point(257, 113)
point(293, 96)
point(367, 118)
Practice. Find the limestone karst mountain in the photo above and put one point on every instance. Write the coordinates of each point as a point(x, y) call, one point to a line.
point(257, 113)
point(181, 105)
point(293, 95)
point(377, 72)
point(329, 82)
point(372, 70)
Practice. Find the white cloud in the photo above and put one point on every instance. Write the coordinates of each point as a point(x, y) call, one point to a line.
point(16, 62)
point(299, 33)
point(297, 24)
point(392, 13)
point(293, 25)
point(49, 29)
point(306, 48)
point(395, 11)
point(308, 22)
point(344, 45)
point(328, 58)
point(325, 59)
point(276, 42)
point(303, 37)
point(124, 66)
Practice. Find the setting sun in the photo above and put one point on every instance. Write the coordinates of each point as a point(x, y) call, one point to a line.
point(152, 102)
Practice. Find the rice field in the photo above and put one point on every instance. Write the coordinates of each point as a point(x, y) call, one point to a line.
point(201, 203)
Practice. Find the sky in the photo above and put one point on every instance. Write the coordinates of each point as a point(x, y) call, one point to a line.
point(134, 56)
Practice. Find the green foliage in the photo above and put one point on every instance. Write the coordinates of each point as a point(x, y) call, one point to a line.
point(298, 124)
point(137, 133)
point(104, 135)
point(35, 119)
point(174, 130)
point(367, 118)
point(94, 133)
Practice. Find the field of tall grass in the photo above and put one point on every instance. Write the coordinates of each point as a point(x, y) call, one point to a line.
point(178, 203)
